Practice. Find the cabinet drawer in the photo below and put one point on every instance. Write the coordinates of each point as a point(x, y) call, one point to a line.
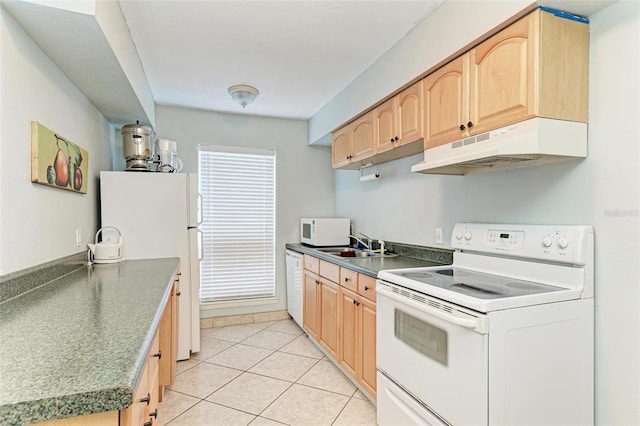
point(349, 279)
point(312, 264)
point(330, 271)
point(367, 287)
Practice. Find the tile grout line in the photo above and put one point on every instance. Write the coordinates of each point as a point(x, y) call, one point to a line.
point(264, 375)
point(273, 351)
point(245, 371)
point(284, 391)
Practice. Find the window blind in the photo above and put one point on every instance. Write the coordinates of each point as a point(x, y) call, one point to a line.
point(238, 223)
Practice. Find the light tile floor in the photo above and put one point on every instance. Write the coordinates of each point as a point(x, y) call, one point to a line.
point(262, 374)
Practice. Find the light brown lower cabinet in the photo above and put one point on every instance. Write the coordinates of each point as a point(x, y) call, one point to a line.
point(342, 318)
point(169, 342)
point(311, 298)
point(358, 339)
point(320, 311)
point(349, 342)
point(367, 328)
point(329, 325)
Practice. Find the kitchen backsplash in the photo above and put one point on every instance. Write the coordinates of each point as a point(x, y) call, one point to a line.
point(432, 254)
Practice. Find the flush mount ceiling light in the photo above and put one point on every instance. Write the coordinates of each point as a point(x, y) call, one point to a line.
point(244, 95)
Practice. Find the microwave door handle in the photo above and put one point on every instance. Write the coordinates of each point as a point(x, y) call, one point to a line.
point(462, 322)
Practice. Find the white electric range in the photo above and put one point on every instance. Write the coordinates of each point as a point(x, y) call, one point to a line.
point(504, 335)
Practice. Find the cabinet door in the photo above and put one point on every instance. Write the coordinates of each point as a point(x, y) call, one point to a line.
point(410, 114)
point(329, 317)
point(154, 403)
point(168, 342)
point(341, 147)
point(503, 75)
point(446, 103)
point(385, 131)
point(368, 371)
point(349, 355)
point(362, 133)
point(310, 304)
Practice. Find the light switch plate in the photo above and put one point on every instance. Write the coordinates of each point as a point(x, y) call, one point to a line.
point(439, 239)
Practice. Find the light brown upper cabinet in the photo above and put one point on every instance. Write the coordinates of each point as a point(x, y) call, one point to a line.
point(446, 102)
point(353, 142)
point(537, 66)
point(398, 121)
point(341, 147)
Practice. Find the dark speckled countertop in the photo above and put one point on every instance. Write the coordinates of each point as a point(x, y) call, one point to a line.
point(77, 345)
point(409, 256)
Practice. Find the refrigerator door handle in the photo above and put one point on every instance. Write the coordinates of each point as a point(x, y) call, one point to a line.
point(200, 245)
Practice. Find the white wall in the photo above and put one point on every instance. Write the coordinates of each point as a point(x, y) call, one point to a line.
point(304, 180)
point(602, 190)
point(38, 223)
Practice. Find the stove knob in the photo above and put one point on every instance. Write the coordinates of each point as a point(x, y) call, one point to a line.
point(467, 235)
point(563, 242)
point(546, 241)
point(458, 235)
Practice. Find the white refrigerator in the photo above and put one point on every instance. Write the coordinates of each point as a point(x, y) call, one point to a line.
point(158, 215)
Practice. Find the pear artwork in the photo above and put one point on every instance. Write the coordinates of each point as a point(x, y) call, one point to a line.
point(56, 161)
point(61, 171)
point(61, 167)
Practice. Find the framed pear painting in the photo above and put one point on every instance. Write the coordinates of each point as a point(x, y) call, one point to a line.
point(56, 161)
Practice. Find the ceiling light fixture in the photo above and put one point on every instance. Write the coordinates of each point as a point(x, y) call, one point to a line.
point(244, 95)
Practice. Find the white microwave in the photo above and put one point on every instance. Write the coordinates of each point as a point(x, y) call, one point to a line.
point(326, 231)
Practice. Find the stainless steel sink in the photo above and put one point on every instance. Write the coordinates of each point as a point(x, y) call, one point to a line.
point(351, 252)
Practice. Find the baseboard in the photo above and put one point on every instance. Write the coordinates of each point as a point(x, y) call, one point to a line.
point(226, 320)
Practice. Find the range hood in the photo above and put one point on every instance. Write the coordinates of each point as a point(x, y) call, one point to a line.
point(528, 143)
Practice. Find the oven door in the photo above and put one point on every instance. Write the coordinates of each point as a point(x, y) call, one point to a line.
point(436, 351)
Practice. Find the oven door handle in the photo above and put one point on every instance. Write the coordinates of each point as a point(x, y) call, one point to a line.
point(471, 323)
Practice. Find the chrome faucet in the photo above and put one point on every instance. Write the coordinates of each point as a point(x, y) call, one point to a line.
point(369, 240)
point(368, 246)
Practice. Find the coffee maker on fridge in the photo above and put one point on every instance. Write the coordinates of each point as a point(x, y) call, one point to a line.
point(143, 152)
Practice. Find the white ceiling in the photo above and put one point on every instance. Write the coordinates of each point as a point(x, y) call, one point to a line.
point(299, 54)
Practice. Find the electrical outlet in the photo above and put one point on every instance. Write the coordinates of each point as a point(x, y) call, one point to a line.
point(439, 239)
point(78, 237)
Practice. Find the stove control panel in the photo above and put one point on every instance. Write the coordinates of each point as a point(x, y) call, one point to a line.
point(498, 238)
point(565, 244)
